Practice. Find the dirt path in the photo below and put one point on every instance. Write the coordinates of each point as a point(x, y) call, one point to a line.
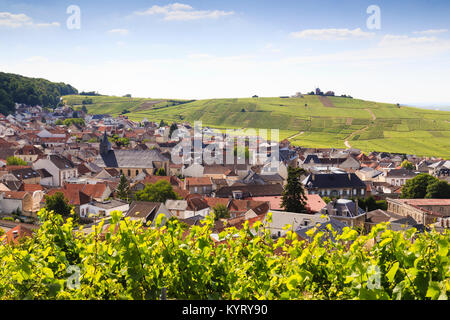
point(347, 144)
point(374, 117)
point(295, 135)
point(326, 102)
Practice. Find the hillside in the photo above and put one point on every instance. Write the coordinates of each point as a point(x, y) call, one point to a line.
point(311, 121)
point(31, 91)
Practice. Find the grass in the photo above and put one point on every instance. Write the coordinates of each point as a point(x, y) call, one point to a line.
point(411, 130)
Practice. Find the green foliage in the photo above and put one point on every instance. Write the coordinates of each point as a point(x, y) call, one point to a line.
point(70, 121)
point(58, 203)
point(416, 188)
point(221, 212)
point(157, 192)
point(15, 161)
point(407, 165)
point(160, 172)
point(120, 142)
point(30, 91)
point(132, 262)
point(293, 197)
point(438, 190)
point(371, 204)
point(123, 189)
point(326, 199)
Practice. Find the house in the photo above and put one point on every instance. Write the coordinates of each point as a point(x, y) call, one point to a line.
point(239, 208)
point(397, 177)
point(18, 232)
point(343, 185)
point(130, 162)
point(201, 185)
point(98, 192)
point(314, 202)
point(59, 167)
point(27, 175)
point(346, 211)
point(280, 219)
point(104, 208)
point(147, 211)
point(76, 198)
point(424, 211)
point(28, 153)
point(396, 222)
point(189, 208)
point(249, 191)
point(27, 203)
point(329, 228)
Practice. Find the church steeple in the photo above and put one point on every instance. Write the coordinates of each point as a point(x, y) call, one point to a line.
point(105, 145)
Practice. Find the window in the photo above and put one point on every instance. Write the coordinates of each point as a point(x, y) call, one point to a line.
point(137, 172)
point(129, 172)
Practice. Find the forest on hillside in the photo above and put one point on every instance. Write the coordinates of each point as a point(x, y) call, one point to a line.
point(30, 91)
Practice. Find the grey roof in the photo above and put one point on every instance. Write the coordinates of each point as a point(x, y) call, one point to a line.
point(129, 158)
point(336, 225)
point(61, 162)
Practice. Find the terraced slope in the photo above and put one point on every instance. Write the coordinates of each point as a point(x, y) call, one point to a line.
point(370, 126)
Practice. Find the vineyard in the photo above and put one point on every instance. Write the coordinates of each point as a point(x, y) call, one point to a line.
point(126, 260)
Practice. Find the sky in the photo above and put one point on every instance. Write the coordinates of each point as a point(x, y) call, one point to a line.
point(385, 51)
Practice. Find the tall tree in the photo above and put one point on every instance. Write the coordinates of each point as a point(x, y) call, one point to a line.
point(123, 189)
point(438, 190)
point(58, 204)
point(173, 127)
point(416, 188)
point(221, 211)
point(293, 198)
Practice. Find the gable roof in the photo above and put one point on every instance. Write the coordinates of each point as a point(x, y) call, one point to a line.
point(334, 180)
point(251, 190)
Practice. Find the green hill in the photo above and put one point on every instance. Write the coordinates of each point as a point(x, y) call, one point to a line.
point(311, 121)
point(32, 91)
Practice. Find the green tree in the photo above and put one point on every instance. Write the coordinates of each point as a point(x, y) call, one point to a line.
point(407, 165)
point(221, 212)
point(15, 161)
point(438, 190)
point(157, 192)
point(123, 189)
point(58, 204)
point(160, 172)
point(173, 127)
point(293, 197)
point(416, 188)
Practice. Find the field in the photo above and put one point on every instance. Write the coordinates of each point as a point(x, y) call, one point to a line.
point(331, 122)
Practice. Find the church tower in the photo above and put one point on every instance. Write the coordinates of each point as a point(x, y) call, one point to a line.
point(105, 145)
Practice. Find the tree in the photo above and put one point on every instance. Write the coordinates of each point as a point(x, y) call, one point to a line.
point(84, 109)
point(416, 188)
point(123, 189)
point(221, 212)
point(438, 190)
point(157, 192)
point(160, 172)
point(293, 197)
point(15, 161)
point(58, 204)
point(173, 127)
point(407, 165)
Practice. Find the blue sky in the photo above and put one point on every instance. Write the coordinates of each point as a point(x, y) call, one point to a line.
point(214, 49)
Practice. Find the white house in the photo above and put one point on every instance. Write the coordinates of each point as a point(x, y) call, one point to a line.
point(59, 167)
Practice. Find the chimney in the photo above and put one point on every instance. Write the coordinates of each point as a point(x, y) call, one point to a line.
point(312, 176)
point(349, 176)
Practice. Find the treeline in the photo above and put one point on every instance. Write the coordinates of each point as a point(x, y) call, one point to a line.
point(30, 91)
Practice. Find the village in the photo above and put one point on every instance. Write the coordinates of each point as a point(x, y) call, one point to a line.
point(89, 158)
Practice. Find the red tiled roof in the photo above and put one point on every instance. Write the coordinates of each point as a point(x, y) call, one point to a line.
point(202, 181)
point(19, 195)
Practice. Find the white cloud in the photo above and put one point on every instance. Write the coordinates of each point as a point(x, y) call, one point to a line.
point(332, 34)
point(431, 31)
point(402, 40)
point(183, 12)
point(122, 32)
point(12, 20)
